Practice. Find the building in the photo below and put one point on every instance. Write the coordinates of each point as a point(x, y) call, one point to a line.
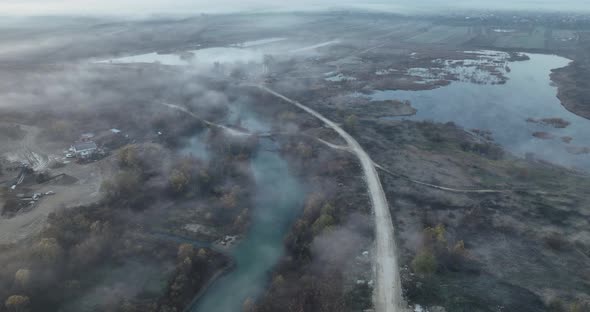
point(84, 149)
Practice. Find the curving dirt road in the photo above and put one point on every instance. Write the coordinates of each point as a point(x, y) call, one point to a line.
point(387, 293)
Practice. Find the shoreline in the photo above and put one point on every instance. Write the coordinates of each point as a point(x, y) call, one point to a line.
point(216, 276)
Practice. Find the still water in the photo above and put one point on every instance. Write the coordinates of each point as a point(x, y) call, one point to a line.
point(504, 110)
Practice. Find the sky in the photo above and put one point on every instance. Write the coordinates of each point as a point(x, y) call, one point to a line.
point(151, 7)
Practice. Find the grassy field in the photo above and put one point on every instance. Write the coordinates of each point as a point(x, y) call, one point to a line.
point(443, 34)
point(526, 40)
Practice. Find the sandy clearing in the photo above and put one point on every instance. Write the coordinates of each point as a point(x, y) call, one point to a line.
point(83, 192)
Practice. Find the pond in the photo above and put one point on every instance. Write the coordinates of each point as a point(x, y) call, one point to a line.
point(513, 111)
point(201, 57)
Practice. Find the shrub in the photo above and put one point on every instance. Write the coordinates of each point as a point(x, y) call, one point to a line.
point(424, 263)
point(350, 123)
point(556, 305)
point(579, 307)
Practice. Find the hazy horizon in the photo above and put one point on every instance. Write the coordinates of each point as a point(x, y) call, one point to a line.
point(187, 7)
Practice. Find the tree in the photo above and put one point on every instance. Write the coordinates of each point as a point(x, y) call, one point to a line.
point(579, 307)
point(304, 150)
point(230, 199)
point(436, 235)
point(48, 250)
point(324, 222)
point(125, 184)
point(179, 180)
point(328, 209)
point(202, 254)
point(312, 205)
point(556, 305)
point(128, 157)
point(278, 282)
point(17, 303)
point(424, 263)
point(350, 123)
point(242, 219)
point(185, 251)
point(59, 129)
point(22, 278)
point(248, 305)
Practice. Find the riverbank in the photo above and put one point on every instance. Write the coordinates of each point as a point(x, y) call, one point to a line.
point(573, 87)
point(203, 289)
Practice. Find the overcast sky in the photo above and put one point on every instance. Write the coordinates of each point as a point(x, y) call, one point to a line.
point(142, 7)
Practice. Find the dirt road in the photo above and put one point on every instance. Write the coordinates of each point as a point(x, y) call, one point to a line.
point(387, 293)
point(228, 130)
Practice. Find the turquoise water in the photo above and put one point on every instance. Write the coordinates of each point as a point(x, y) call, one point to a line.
point(279, 198)
point(504, 109)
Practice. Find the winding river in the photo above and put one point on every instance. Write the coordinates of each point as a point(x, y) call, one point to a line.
point(278, 201)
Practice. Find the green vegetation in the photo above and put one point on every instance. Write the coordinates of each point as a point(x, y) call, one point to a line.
point(424, 263)
point(557, 305)
point(351, 123)
point(359, 297)
point(323, 223)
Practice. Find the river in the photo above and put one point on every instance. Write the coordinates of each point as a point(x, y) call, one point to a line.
point(278, 202)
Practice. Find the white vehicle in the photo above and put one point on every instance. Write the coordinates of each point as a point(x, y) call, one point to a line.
point(70, 155)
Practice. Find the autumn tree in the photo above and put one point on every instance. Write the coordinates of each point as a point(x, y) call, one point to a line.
point(185, 251)
point(324, 222)
point(179, 180)
point(129, 157)
point(305, 151)
point(124, 184)
point(230, 199)
point(248, 305)
point(22, 278)
point(18, 303)
point(48, 250)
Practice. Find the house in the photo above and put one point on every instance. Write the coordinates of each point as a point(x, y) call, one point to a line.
point(84, 149)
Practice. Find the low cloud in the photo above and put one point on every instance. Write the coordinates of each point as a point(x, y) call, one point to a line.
point(188, 7)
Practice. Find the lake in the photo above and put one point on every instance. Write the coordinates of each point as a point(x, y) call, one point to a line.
point(504, 109)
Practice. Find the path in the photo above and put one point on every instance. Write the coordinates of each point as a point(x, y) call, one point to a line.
point(387, 293)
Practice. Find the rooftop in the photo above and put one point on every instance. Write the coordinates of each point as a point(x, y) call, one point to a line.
point(88, 145)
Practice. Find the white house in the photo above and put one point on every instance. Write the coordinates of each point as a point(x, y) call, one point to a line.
point(84, 149)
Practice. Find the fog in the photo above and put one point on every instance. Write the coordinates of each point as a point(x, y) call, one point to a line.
point(187, 7)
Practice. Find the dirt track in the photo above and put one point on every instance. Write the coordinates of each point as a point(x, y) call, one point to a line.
point(387, 293)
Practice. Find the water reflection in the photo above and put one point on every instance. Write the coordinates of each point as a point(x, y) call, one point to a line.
point(504, 110)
